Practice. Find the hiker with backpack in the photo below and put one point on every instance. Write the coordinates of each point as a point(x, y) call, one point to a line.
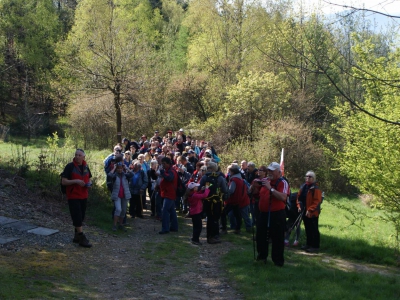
point(309, 199)
point(76, 178)
point(137, 186)
point(120, 193)
point(272, 218)
point(237, 198)
point(168, 185)
point(213, 203)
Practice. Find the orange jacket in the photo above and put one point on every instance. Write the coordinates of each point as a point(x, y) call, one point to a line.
point(313, 200)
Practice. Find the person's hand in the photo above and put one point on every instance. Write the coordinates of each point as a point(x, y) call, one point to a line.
point(299, 209)
point(308, 213)
point(80, 182)
point(267, 184)
point(204, 187)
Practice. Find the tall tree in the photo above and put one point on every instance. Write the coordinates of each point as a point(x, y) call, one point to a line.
point(108, 49)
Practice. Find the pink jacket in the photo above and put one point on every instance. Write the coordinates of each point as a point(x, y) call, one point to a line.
point(196, 203)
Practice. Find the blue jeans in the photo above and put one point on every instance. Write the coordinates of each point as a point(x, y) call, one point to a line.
point(158, 205)
point(244, 211)
point(169, 216)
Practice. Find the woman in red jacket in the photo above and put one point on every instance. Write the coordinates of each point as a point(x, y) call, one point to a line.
point(309, 199)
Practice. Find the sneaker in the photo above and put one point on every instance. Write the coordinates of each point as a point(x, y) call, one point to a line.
point(114, 228)
point(84, 242)
point(286, 243)
point(295, 243)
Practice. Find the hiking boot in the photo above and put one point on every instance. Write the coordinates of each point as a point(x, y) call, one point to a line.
point(295, 243)
point(121, 227)
point(261, 258)
point(286, 243)
point(114, 228)
point(248, 229)
point(76, 238)
point(84, 242)
point(213, 241)
point(305, 247)
point(312, 250)
point(223, 231)
point(237, 231)
point(197, 243)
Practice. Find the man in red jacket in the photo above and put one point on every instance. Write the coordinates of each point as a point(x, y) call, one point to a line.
point(272, 218)
point(76, 178)
point(168, 185)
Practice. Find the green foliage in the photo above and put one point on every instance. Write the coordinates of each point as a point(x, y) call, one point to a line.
point(369, 154)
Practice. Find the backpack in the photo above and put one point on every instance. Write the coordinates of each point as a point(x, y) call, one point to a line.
point(68, 168)
point(212, 179)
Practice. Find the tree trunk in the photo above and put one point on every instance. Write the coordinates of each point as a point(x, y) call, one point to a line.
point(117, 104)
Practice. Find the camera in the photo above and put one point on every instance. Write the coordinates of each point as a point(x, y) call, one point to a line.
point(260, 182)
point(120, 164)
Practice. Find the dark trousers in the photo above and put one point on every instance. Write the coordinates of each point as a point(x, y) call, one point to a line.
point(312, 232)
point(77, 209)
point(213, 212)
point(236, 212)
point(135, 206)
point(152, 194)
point(197, 227)
point(275, 232)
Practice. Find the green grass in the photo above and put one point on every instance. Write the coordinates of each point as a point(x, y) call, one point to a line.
point(38, 275)
point(350, 231)
point(304, 277)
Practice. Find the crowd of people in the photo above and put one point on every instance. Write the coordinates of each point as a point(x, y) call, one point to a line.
point(180, 174)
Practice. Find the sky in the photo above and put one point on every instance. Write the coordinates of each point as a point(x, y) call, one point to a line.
point(328, 7)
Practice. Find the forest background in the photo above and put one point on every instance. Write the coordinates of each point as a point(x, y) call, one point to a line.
point(252, 76)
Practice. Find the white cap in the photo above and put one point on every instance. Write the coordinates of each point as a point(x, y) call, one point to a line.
point(181, 129)
point(192, 185)
point(274, 166)
point(209, 151)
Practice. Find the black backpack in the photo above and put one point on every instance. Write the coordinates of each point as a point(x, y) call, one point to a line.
point(212, 179)
point(68, 168)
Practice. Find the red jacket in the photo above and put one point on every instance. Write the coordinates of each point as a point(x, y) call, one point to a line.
point(275, 205)
point(75, 191)
point(169, 183)
point(239, 196)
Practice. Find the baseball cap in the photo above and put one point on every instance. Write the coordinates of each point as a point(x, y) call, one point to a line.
point(191, 151)
point(273, 166)
point(208, 151)
point(192, 185)
point(181, 129)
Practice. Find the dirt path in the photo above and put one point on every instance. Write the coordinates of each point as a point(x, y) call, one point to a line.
point(142, 264)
